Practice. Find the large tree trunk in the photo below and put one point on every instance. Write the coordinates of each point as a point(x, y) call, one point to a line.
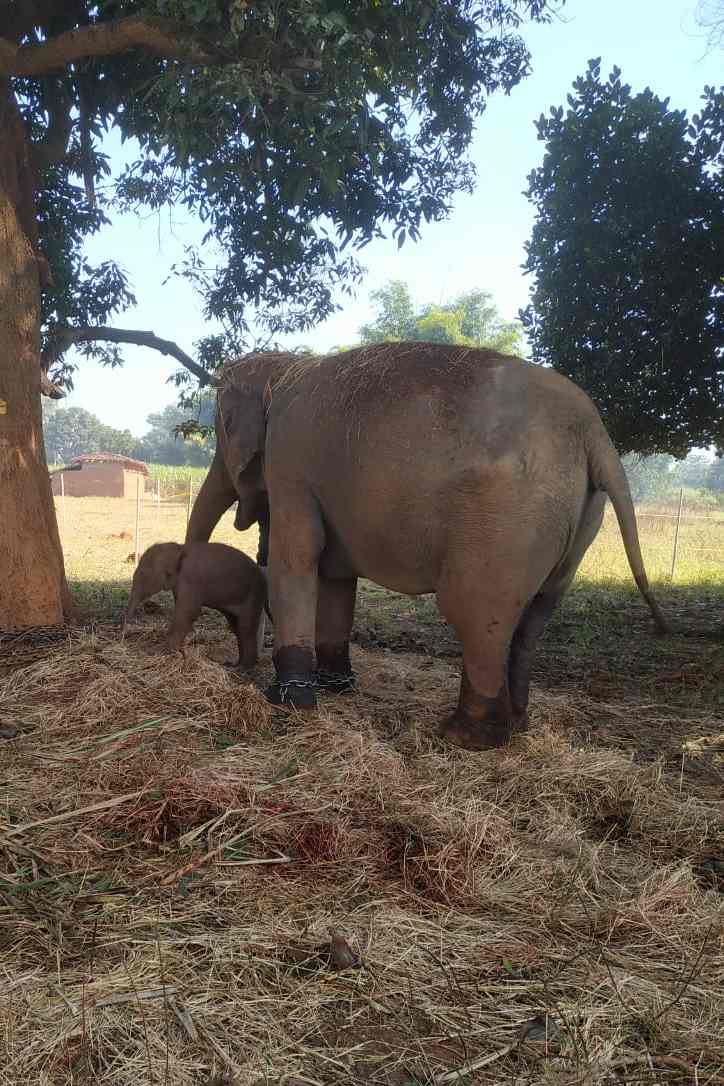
point(33, 589)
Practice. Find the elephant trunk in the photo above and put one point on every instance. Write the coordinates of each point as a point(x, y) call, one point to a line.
point(216, 495)
point(134, 602)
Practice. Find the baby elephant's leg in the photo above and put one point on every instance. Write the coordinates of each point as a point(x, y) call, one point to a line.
point(250, 631)
point(233, 620)
point(186, 611)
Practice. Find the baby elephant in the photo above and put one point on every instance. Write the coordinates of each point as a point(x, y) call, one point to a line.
point(204, 575)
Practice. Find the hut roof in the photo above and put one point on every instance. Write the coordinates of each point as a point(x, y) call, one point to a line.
point(111, 458)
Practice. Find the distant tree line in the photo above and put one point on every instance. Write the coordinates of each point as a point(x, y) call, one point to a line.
point(72, 431)
point(660, 476)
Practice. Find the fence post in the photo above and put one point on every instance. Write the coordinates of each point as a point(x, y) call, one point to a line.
point(158, 499)
point(188, 507)
point(676, 533)
point(137, 544)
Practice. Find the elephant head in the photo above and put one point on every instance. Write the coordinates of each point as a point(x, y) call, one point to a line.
point(157, 571)
point(237, 471)
point(240, 434)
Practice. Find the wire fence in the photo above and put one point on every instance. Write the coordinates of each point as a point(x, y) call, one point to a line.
point(679, 543)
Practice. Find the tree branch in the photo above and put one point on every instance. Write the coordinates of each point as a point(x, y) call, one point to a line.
point(163, 37)
point(62, 338)
point(53, 146)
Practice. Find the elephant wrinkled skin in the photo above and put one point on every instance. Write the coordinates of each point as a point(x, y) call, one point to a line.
point(425, 468)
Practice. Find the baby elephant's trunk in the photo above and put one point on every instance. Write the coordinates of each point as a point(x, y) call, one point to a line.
point(134, 603)
point(140, 591)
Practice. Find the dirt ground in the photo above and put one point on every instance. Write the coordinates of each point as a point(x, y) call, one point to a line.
point(198, 890)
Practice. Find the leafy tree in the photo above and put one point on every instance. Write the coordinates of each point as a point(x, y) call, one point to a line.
point(164, 443)
point(72, 431)
point(395, 317)
point(627, 252)
point(692, 472)
point(648, 476)
point(291, 130)
point(470, 320)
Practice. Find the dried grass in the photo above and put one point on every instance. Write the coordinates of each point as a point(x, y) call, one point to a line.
point(176, 858)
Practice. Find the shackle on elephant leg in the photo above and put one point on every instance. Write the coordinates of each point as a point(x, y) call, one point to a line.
point(295, 686)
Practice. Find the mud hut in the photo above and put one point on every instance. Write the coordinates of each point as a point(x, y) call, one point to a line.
point(102, 475)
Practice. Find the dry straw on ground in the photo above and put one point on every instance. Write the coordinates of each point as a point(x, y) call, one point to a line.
point(176, 859)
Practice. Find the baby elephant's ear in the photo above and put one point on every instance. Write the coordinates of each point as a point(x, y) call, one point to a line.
point(241, 424)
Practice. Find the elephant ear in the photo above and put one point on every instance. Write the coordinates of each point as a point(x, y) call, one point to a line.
point(241, 421)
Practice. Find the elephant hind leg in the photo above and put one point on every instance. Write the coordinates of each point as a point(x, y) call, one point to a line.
point(335, 615)
point(484, 591)
point(542, 606)
point(522, 649)
point(485, 620)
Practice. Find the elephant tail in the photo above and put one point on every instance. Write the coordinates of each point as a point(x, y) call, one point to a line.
point(607, 474)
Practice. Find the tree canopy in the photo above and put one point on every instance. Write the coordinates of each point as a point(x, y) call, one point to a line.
point(471, 319)
point(627, 252)
point(294, 132)
point(164, 441)
point(291, 131)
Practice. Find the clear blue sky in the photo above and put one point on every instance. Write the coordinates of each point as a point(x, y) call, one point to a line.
point(654, 42)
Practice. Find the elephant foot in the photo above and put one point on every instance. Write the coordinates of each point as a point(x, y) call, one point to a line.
point(479, 722)
point(295, 686)
point(334, 670)
point(293, 694)
point(463, 731)
point(520, 721)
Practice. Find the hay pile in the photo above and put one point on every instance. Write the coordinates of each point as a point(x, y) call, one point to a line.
point(198, 890)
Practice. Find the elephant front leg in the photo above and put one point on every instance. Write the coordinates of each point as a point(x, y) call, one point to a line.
point(296, 542)
point(335, 615)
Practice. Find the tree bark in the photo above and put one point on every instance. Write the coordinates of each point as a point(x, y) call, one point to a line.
point(33, 589)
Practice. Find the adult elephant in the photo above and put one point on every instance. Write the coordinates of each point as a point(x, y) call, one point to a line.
point(425, 468)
